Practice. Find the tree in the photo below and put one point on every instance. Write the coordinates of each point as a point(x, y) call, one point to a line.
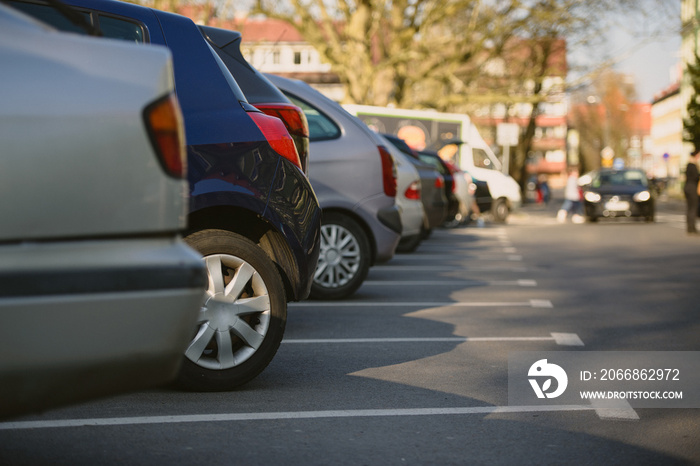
point(603, 114)
point(452, 55)
point(380, 49)
point(525, 46)
point(691, 125)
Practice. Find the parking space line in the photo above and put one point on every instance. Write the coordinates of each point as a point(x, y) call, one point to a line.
point(555, 337)
point(442, 257)
point(450, 268)
point(530, 303)
point(524, 283)
point(414, 340)
point(277, 416)
point(614, 410)
point(567, 339)
point(487, 232)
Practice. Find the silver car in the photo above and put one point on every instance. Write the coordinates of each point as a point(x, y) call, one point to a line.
point(409, 193)
point(355, 182)
point(98, 293)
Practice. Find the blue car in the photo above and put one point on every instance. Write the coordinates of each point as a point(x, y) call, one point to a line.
point(253, 214)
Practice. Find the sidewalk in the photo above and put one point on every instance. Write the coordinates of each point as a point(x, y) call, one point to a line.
point(543, 213)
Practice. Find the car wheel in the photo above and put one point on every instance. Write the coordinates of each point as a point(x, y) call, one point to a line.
point(242, 320)
point(500, 211)
point(344, 259)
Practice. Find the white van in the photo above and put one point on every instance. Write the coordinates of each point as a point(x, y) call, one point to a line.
point(432, 130)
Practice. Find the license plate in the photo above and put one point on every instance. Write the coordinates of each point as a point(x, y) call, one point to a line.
point(617, 205)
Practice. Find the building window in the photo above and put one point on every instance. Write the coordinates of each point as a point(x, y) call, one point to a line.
point(297, 58)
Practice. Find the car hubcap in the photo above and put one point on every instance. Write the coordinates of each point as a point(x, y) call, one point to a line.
point(339, 259)
point(235, 316)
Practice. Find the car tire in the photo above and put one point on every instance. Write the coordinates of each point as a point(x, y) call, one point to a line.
point(500, 211)
point(242, 320)
point(592, 219)
point(344, 259)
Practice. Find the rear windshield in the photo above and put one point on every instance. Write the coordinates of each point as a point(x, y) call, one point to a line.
point(227, 75)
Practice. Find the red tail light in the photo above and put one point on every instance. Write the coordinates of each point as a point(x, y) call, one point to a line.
point(294, 119)
point(440, 182)
point(163, 120)
point(277, 135)
point(388, 172)
point(455, 172)
point(413, 191)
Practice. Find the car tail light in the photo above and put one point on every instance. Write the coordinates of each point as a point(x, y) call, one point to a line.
point(164, 124)
point(440, 182)
point(277, 135)
point(294, 119)
point(454, 171)
point(388, 172)
point(413, 191)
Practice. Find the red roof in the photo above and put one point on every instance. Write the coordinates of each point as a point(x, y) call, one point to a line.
point(268, 30)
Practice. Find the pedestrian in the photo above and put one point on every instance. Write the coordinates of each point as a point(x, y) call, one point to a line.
point(691, 192)
point(544, 188)
point(572, 199)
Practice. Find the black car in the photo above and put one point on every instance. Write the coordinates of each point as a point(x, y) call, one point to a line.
point(433, 195)
point(483, 197)
point(618, 193)
point(441, 166)
point(258, 90)
point(253, 214)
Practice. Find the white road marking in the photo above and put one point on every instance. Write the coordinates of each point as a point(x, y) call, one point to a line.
point(237, 417)
point(449, 268)
point(614, 410)
point(414, 340)
point(450, 282)
point(453, 257)
point(554, 337)
point(567, 339)
point(530, 303)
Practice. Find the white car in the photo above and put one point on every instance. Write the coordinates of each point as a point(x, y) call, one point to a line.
point(98, 293)
point(408, 194)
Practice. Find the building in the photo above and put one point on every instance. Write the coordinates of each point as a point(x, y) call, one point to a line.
point(667, 154)
point(274, 46)
point(548, 152)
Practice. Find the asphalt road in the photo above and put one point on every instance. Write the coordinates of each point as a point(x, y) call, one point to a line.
point(414, 368)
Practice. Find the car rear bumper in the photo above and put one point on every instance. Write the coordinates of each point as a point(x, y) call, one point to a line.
point(89, 318)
